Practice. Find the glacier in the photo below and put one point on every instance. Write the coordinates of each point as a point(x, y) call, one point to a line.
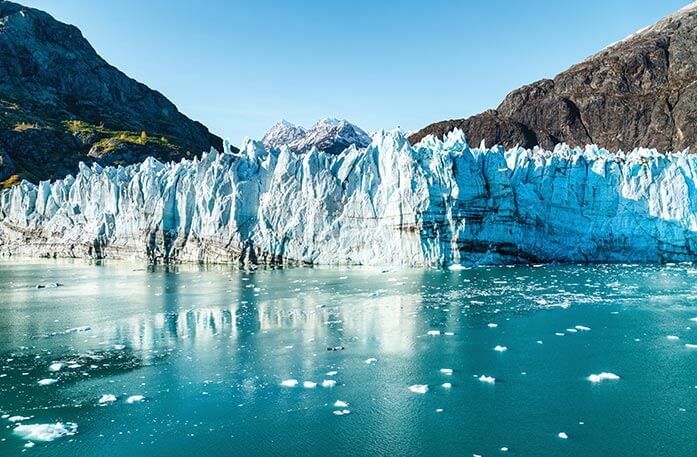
point(436, 203)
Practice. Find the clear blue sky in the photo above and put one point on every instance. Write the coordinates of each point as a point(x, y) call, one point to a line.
point(240, 66)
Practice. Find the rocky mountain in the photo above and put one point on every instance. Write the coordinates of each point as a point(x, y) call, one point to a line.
point(641, 91)
point(329, 135)
point(437, 203)
point(61, 103)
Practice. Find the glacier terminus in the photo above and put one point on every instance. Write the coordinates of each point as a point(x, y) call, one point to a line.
point(435, 203)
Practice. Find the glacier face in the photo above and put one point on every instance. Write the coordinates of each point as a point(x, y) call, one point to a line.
point(435, 203)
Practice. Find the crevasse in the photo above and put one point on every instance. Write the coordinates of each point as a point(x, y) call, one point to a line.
point(435, 203)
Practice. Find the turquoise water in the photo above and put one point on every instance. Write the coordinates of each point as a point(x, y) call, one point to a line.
point(208, 349)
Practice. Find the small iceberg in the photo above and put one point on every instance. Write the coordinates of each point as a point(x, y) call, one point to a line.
point(56, 366)
point(604, 376)
point(331, 373)
point(309, 384)
point(419, 388)
point(19, 418)
point(673, 337)
point(583, 328)
point(341, 412)
point(690, 346)
point(492, 325)
point(433, 333)
point(487, 379)
point(563, 436)
point(289, 383)
point(457, 267)
point(371, 361)
point(447, 371)
point(45, 432)
point(328, 383)
point(106, 399)
point(340, 404)
point(135, 399)
point(47, 381)
point(500, 348)
point(446, 385)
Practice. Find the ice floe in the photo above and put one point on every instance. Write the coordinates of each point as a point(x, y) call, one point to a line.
point(56, 366)
point(690, 346)
point(492, 325)
point(487, 379)
point(45, 432)
point(289, 383)
point(341, 412)
point(135, 399)
point(340, 404)
point(447, 371)
point(500, 348)
point(673, 337)
point(604, 376)
point(446, 385)
point(563, 435)
point(309, 384)
point(328, 383)
point(433, 333)
point(47, 381)
point(419, 388)
point(371, 361)
point(106, 399)
point(19, 418)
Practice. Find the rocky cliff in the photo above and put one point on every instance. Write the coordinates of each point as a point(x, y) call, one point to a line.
point(435, 203)
point(61, 103)
point(641, 91)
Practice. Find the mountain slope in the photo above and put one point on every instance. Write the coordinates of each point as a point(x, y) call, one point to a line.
point(61, 103)
point(329, 135)
point(641, 91)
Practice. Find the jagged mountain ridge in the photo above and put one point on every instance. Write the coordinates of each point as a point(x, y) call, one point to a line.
point(641, 91)
point(329, 135)
point(61, 103)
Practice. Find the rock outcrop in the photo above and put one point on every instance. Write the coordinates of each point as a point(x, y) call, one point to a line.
point(61, 103)
point(435, 203)
point(641, 91)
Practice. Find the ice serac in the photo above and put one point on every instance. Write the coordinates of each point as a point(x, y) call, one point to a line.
point(434, 203)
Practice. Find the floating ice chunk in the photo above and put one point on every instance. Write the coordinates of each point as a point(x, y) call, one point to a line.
point(74, 365)
point(583, 328)
point(603, 377)
point(29, 444)
point(135, 399)
point(446, 385)
point(563, 435)
point(447, 371)
point(341, 412)
point(331, 373)
point(47, 381)
point(309, 384)
point(487, 379)
point(106, 399)
point(439, 410)
point(504, 449)
point(84, 328)
point(690, 346)
point(540, 342)
point(673, 337)
point(328, 383)
point(571, 330)
point(433, 333)
point(457, 267)
point(19, 418)
point(694, 319)
point(559, 334)
point(289, 383)
point(119, 347)
point(45, 432)
point(340, 404)
point(492, 325)
point(419, 388)
point(500, 348)
point(56, 366)
point(371, 360)
point(449, 333)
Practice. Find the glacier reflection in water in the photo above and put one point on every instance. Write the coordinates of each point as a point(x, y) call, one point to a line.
point(192, 360)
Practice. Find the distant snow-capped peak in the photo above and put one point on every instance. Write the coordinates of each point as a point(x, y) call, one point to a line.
point(329, 135)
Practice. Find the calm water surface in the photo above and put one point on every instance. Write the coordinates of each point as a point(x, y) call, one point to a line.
point(209, 348)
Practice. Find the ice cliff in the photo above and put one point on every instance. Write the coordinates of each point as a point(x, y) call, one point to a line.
point(434, 203)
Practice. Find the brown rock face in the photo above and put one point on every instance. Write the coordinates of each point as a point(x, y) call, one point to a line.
point(61, 103)
point(641, 91)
